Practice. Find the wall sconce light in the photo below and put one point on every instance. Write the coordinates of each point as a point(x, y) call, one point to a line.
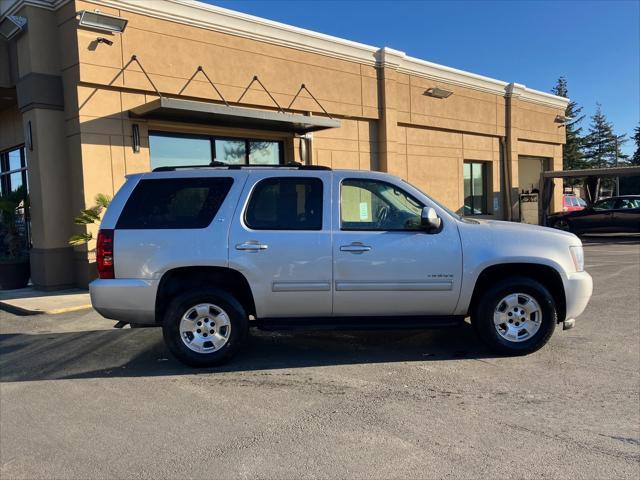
point(135, 135)
point(29, 136)
point(97, 20)
point(436, 92)
point(106, 41)
point(11, 26)
point(562, 119)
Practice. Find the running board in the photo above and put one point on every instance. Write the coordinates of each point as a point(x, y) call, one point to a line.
point(360, 323)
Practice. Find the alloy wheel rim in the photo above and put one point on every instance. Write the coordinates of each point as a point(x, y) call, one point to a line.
point(205, 328)
point(517, 317)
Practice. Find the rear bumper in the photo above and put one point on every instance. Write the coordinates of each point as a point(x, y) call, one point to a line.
point(578, 288)
point(127, 300)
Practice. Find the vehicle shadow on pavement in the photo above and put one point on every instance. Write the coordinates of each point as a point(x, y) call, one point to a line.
point(141, 352)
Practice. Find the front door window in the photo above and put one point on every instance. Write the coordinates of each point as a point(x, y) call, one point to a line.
point(375, 205)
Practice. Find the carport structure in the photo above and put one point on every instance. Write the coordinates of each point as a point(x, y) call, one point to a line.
point(592, 178)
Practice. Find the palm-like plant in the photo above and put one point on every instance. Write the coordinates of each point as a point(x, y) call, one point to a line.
point(89, 217)
point(14, 244)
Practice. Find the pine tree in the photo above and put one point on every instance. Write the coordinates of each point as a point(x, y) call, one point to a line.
point(572, 157)
point(601, 145)
point(635, 159)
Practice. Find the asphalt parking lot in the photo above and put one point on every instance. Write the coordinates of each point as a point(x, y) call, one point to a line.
point(79, 399)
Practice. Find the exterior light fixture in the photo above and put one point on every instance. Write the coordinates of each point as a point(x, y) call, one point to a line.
point(11, 26)
point(562, 119)
point(106, 41)
point(135, 138)
point(29, 136)
point(97, 20)
point(436, 92)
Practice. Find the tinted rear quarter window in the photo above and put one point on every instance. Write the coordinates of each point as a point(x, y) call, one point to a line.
point(284, 203)
point(172, 203)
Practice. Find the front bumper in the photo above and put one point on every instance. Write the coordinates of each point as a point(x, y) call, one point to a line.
point(127, 300)
point(578, 288)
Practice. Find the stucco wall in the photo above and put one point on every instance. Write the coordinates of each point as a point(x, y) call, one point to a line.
point(353, 145)
point(465, 110)
point(11, 132)
point(171, 52)
point(434, 162)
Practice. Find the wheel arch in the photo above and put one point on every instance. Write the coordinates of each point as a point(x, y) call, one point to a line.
point(182, 279)
point(544, 274)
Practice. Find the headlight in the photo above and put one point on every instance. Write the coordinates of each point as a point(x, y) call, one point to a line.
point(577, 254)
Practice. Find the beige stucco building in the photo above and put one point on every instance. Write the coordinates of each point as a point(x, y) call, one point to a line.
point(82, 115)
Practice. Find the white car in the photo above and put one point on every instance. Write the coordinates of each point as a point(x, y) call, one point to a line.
point(208, 252)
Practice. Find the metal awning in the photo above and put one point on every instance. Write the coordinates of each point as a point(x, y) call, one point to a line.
point(191, 111)
point(593, 172)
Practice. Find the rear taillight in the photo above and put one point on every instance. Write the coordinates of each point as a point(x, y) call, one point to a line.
point(104, 254)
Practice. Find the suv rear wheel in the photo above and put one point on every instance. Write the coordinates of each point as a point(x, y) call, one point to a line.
point(515, 316)
point(205, 327)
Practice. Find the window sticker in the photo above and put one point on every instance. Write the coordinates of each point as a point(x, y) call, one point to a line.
point(364, 210)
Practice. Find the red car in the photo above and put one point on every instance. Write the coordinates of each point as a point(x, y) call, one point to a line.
point(571, 203)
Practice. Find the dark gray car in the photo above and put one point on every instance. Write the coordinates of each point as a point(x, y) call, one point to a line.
point(614, 214)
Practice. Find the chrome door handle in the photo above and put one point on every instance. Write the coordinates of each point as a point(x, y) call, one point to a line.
point(251, 246)
point(355, 247)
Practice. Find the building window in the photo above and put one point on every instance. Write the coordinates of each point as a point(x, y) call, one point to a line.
point(179, 150)
point(13, 170)
point(475, 188)
point(170, 149)
point(13, 175)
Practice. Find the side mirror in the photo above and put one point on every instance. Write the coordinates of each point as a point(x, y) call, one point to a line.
point(430, 220)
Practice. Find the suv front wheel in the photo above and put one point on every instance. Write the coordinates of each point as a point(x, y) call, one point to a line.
point(204, 328)
point(515, 316)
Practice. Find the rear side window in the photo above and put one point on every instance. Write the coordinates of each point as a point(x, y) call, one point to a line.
point(285, 203)
point(174, 203)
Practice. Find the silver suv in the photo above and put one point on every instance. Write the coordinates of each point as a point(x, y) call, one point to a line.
point(208, 252)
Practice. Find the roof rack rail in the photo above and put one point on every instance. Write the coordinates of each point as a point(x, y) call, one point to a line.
point(299, 166)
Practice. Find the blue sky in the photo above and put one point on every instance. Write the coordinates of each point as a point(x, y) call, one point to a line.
point(594, 44)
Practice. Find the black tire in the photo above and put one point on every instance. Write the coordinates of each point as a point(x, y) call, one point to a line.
point(482, 316)
point(180, 305)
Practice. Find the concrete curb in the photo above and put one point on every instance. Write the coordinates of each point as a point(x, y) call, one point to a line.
point(26, 311)
point(31, 301)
